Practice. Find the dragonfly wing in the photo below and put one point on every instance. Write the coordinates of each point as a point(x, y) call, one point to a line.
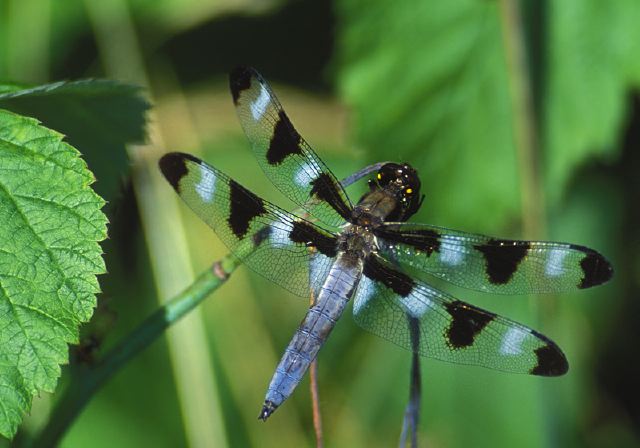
point(409, 313)
point(285, 157)
point(274, 243)
point(493, 265)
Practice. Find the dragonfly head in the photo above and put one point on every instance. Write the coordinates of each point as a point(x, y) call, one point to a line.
point(402, 180)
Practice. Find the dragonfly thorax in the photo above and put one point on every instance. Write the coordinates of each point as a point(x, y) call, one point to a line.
point(357, 241)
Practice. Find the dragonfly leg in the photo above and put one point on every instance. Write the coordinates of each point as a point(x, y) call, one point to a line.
point(362, 173)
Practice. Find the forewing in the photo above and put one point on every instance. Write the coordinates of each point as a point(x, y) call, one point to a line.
point(493, 265)
point(280, 246)
point(288, 161)
point(389, 304)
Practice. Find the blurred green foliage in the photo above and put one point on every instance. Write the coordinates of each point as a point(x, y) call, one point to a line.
point(427, 82)
point(97, 116)
point(446, 104)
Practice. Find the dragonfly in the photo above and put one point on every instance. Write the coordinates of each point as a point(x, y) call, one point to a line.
point(367, 252)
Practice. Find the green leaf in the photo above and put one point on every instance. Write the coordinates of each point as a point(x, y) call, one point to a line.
point(593, 63)
point(50, 225)
point(98, 117)
point(428, 85)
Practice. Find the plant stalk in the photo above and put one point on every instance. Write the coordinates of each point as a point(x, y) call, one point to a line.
point(86, 380)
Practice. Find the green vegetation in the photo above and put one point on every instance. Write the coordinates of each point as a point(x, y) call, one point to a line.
point(51, 226)
point(521, 117)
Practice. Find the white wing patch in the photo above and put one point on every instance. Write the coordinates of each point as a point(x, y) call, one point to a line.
point(259, 106)
point(554, 267)
point(512, 341)
point(450, 252)
point(280, 231)
point(207, 185)
point(416, 306)
point(305, 175)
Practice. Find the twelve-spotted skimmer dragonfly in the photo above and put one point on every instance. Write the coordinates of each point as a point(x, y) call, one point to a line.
point(338, 252)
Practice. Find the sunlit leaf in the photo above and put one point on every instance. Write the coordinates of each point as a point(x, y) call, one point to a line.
point(50, 225)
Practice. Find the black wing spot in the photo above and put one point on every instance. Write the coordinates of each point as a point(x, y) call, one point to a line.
point(397, 281)
point(551, 360)
point(596, 269)
point(325, 188)
point(244, 207)
point(239, 80)
point(503, 258)
point(305, 233)
point(467, 322)
point(424, 240)
point(174, 168)
point(284, 141)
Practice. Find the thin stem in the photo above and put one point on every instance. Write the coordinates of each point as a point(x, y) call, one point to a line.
point(315, 400)
point(315, 397)
point(525, 125)
point(86, 380)
point(527, 141)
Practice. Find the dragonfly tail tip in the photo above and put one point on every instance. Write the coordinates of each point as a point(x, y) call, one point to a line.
point(267, 409)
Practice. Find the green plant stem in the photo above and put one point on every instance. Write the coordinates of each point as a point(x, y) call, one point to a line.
point(524, 120)
point(86, 380)
point(527, 143)
point(194, 372)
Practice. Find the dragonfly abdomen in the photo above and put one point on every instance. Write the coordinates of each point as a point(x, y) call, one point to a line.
point(313, 331)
